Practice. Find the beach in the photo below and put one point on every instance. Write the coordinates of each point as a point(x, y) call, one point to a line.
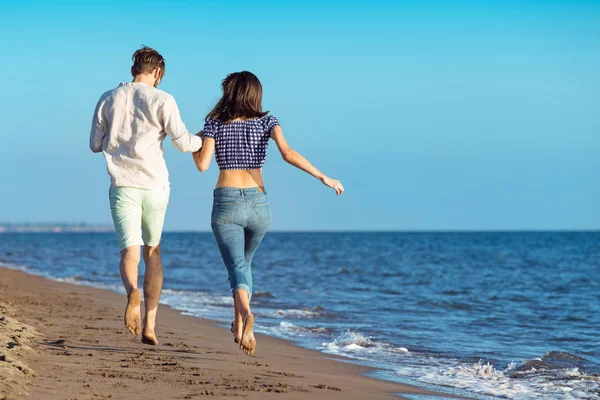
point(511, 331)
point(471, 314)
point(66, 341)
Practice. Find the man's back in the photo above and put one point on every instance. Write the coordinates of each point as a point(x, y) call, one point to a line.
point(130, 124)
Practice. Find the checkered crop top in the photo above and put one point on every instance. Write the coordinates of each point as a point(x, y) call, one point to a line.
point(241, 144)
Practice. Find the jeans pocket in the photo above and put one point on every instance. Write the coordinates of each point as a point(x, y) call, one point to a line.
point(263, 212)
point(223, 212)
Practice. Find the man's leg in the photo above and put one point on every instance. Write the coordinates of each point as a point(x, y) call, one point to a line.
point(153, 218)
point(130, 260)
point(153, 281)
point(126, 210)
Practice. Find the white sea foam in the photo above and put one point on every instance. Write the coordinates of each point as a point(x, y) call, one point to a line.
point(400, 350)
point(78, 280)
point(287, 330)
point(22, 268)
point(483, 378)
point(298, 313)
point(356, 345)
point(199, 304)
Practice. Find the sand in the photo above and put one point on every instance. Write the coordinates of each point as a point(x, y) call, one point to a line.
point(65, 341)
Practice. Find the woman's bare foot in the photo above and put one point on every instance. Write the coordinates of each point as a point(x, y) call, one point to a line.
point(149, 337)
point(248, 342)
point(237, 332)
point(133, 322)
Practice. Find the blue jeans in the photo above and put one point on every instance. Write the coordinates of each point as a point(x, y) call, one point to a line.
point(240, 218)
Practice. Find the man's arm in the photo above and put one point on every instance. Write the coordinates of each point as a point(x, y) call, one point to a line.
point(97, 134)
point(175, 128)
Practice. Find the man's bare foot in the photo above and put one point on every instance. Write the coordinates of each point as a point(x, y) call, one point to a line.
point(248, 342)
point(133, 322)
point(149, 337)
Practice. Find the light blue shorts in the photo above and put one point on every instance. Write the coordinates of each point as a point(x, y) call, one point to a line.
point(138, 214)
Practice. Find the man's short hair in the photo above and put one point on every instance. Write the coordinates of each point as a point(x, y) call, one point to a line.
point(146, 60)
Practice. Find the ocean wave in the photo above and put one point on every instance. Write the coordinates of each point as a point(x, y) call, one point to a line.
point(262, 295)
point(22, 268)
point(73, 279)
point(555, 375)
point(559, 360)
point(81, 281)
point(288, 330)
point(199, 304)
point(287, 326)
point(353, 339)
point(481, 378)
point(314, 312)
point(513, 382)
point(447, 305)
point(353, 343)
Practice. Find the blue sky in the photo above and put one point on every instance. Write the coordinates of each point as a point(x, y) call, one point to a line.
point(434, 115)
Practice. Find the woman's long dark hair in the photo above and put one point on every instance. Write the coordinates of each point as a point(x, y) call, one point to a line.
point(242, 98)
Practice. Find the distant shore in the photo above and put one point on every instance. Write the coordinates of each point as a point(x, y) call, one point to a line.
point(67, 341)
point(54, 228)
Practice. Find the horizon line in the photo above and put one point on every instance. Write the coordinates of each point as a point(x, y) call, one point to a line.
point(596, 230)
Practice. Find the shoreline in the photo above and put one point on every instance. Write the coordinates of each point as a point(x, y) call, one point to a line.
point(77, 347)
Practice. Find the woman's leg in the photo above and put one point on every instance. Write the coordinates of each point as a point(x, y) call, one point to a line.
point(237, 324)
point(259, 217)
point(227, 219)
point(247, 340)
point(230, 239)
point(257, 223)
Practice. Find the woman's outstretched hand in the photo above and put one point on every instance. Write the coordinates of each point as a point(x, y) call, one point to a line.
point(334, 184)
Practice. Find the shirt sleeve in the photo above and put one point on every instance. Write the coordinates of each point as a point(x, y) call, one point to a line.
point(175, 128)
point(270, 123)
point(97, 133)
point(209, 130)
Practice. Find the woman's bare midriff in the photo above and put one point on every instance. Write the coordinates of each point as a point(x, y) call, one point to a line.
point(240, 178)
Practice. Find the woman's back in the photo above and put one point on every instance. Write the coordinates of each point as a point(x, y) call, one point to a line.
point(241, 144)
point(240, 149)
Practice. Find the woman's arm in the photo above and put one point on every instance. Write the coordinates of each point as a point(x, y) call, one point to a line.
point(203, 157)
point(297, 160)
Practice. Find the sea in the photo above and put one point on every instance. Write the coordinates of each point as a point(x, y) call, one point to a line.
point(478, 314)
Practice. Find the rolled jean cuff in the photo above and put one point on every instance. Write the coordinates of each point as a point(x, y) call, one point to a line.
point(241, 286)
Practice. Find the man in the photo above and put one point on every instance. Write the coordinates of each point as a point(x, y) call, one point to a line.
point(129, 126)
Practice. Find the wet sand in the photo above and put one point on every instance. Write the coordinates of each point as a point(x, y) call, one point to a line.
point(64, 341)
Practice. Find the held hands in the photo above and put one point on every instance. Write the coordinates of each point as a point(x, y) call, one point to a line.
point(334, 184)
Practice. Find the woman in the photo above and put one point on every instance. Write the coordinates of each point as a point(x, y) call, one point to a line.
point(239, 131)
